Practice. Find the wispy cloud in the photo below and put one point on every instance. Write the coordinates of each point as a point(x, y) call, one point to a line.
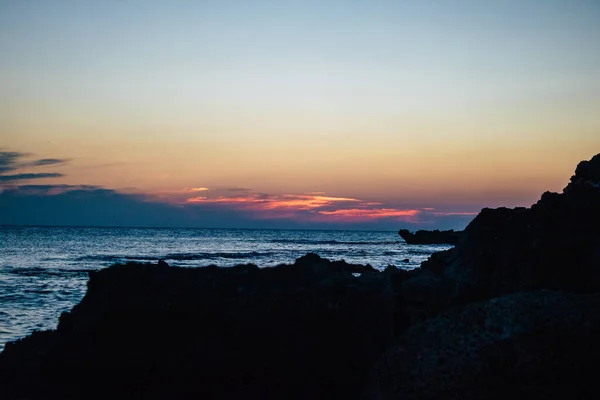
point(197, 199)
point(361, 213)
point(316, 207)
point(238, 190)
point(53, 190)
point(22, 177)
point(272, 202)
point(44, 162)
point(306, 206)
point(11, 161)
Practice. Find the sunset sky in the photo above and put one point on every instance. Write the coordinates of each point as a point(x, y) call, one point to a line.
point(361, 114)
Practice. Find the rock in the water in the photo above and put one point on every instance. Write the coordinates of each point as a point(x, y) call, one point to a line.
point(430, 237)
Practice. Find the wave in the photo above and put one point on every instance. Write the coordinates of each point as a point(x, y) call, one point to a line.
point(115, 258)
point(39, 271)
point(421, 252)
point(333, 242)
point(216, 256)
point(177, 256)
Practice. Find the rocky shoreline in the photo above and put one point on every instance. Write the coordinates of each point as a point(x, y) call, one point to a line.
point(512, 311)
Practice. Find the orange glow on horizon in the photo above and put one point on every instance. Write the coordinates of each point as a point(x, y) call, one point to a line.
point(371, 213)
point(320, 206)
point(299, 202)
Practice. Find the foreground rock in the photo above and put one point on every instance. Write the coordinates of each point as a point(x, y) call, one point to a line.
point(430, 237)
point(302, 331)
point(483, 328)
point(533, 345)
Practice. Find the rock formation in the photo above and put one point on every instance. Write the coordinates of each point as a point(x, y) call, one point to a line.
point(302, 331)
point(484, 323)
point(526, 345)
point(430, 237)
point(554, 244)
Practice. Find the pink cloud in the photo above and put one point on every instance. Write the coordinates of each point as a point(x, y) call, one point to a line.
point(197, 199)
point(365, 213)
point(307, 206)
point(256, 202)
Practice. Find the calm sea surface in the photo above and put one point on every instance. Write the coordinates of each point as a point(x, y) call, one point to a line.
point(44, 270)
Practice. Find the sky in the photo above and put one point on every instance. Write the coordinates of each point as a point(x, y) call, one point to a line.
point(328, 114)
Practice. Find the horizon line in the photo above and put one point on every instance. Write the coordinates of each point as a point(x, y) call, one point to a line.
point(192, 227)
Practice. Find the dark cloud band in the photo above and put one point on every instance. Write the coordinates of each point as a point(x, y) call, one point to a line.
point(45, 161)
point(10, 161)
point(23, 177)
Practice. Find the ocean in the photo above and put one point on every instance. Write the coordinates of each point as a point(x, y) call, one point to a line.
point(44, 270)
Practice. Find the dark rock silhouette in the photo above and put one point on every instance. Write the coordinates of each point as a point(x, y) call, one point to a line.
point(554, 244)
point(586, 173)
point(484, 323)
point(512, 311)
point(162, 263)
point(527, 345)
point(301, 331)
point(430, 237)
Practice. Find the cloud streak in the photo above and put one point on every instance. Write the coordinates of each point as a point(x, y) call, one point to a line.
point(314, 207)
point(10, 162)
point(317, 208)
point(273, 202)
point(361, 213)
point(44, 162)
point(22, 177)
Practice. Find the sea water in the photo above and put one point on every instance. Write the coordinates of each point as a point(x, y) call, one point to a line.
point(44, 270)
